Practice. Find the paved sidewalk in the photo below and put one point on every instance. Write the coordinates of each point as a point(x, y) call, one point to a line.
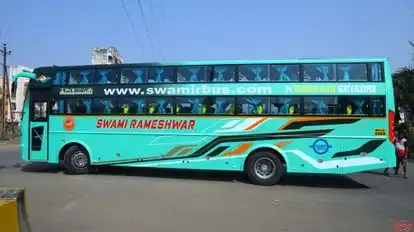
point(13, 141)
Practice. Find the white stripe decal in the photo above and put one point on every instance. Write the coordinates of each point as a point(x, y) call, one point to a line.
point(230, 124)
point(205, 129)
point(245, 124)
point(352, 162)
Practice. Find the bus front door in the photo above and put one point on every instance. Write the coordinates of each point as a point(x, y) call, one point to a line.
point(38, 129)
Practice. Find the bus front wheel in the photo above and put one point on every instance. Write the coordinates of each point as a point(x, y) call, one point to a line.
point(264, 168)
point(77, 160)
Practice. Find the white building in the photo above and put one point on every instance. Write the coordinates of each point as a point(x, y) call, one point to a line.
point(108, 55)
point(16, 91)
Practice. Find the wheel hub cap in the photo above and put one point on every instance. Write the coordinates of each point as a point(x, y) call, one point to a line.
point(80, 160)
point(265, 168)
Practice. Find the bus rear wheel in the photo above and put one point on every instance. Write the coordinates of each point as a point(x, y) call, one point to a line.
point(264, 168)
point(77, 160)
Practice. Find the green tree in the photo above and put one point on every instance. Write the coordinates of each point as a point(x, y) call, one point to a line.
point(403, 82)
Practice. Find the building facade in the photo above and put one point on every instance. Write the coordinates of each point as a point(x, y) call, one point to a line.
point(15, 93)
point(108, 55)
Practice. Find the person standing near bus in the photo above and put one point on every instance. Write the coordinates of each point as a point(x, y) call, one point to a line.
point(401, 152)
point(401, 146)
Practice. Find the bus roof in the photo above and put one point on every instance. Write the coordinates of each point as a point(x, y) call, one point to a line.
point(227, 62)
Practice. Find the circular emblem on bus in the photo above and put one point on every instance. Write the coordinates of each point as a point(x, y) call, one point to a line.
point(320, 146)
point(69, 123)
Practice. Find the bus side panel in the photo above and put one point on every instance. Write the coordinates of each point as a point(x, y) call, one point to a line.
point(313, 155)
point(336, 155)
point(126, 145)
point(108, 145)
point(348, 148)
point(308, 149)
point(365, 146)
point(357, 160)
point(55, 145)
point(109, 148)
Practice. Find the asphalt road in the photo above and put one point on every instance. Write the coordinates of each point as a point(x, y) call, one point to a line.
point(127, 199)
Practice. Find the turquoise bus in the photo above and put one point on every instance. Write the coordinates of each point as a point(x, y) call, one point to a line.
point(266, 118)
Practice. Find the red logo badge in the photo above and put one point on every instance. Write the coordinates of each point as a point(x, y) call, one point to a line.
point(69, 123)
point(403, 226)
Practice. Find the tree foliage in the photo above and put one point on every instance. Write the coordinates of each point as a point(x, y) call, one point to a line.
point(403, 82)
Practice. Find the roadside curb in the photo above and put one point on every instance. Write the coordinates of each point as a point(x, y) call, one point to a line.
point(9, 145)
point(13, 210)
point(10, 142)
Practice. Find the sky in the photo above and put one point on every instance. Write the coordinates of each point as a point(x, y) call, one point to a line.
point(50, 32)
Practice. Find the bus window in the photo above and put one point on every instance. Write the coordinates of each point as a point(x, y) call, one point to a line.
point(320, 105)
point(376, 72)
point(160, 105)
point(192, 105)
point(224, 105)
point(353, 105)
point(78, 106)
point(132, 105)
point(318, 72)
point(59, 78)
point(191, 74)
point(223, 73)
point(254, 105)
point(104, 106)
point(290, 72)
point(161, 75)
point(253, 73)
point(352, 72)
point(116, 107)
point(58, 106)
point(40, 111)
point(134, 75)
point(80, 77)
point(378, 106)
point(285, 105)
point(106, 76)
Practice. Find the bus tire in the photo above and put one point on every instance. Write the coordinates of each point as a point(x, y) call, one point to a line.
point(77, 160)
point(264, 168)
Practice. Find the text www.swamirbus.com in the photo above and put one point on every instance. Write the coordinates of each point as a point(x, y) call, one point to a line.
point(186, 90)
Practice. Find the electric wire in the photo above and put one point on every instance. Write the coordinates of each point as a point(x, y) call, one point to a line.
point(132, 27)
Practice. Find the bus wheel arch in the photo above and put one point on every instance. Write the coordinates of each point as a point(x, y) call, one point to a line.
point(75, 158)
point(274, 160)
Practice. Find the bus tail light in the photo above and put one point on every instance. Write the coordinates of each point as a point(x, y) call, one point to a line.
point(391, 119)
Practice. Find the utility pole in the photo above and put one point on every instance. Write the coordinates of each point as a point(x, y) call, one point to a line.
point(5, 53)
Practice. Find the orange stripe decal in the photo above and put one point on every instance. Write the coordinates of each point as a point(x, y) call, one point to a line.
point(185, 151)
point(283, 143)
point(175, 150)
point(239, 150)
point(256, 124)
